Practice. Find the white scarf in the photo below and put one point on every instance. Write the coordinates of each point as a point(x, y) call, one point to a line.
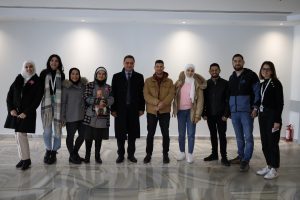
point(25, 74)
point(190, 80)
point(51, 110)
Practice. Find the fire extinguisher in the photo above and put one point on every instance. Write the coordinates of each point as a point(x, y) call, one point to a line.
point(289, 133)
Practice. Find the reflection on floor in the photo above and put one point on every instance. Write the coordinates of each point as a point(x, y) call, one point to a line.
point(177, 180)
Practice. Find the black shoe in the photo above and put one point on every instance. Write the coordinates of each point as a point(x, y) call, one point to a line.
point(74, 159)
point(211, 157)
point(19, 165)
point(81, 159)
point(166, 159)
point(225, 162)
point(47, 156)
point(52, 158)
point(132, 159)
point(120, 159)
point(147, 159)
point(78, 157)
point(26, 164)
point(244, 167)
point(236, 160)
point(87, 157)
point(98, 160)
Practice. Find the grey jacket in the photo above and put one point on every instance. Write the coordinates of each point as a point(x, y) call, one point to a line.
point(72, 101)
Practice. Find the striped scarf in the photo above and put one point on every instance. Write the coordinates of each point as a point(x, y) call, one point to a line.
point(49, 114)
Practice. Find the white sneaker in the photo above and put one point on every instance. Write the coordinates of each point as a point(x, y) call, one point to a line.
point(271, 174)
point(181, 156)
point(263, 171)
point(189, 158)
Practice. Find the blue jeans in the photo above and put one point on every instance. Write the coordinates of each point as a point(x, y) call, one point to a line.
point(47, 135)
point(185, 123)
point(243, 127)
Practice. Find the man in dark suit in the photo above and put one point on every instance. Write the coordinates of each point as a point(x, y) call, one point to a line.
point(129, 105)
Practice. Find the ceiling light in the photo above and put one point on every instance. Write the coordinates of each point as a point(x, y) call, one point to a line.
point(281, 24)
point(183, 22)
point(83, 20)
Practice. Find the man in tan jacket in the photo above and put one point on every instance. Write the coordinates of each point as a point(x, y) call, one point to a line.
point(158, 93)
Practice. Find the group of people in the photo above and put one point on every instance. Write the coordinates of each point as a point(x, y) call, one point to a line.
point(85, 107)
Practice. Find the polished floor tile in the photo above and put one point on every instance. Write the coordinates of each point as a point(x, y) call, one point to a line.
point(176, 180)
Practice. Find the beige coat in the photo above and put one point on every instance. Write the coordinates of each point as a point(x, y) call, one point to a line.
point(197, 108)
point(153, 94)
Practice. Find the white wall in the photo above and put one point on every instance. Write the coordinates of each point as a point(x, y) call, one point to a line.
point(88, 46)
point(295, 95)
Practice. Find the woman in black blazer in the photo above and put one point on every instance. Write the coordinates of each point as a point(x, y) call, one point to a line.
point(269, 118)
point(22, 102)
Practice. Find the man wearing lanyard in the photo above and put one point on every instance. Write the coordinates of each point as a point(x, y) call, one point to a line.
point(244, 100)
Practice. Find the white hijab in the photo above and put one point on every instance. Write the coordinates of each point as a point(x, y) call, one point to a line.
point(26, 75)
point(190, 80)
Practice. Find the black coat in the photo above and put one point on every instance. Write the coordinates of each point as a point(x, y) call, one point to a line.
point(24, 99)
point(273, 98)
point(127, 122)
point(216, 98)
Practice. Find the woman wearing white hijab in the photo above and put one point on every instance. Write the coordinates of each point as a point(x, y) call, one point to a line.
point(22, 102)
point(188, 106)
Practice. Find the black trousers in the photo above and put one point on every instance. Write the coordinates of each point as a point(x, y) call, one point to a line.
point(97, 134)
point(164, 123)
point(72, 127)
point(217, 125)
point(269, 139)
point(130, 147)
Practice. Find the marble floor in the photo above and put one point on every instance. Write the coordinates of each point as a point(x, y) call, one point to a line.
point(177, 180)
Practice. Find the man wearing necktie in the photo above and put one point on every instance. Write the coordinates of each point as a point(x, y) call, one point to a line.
point(129, 105)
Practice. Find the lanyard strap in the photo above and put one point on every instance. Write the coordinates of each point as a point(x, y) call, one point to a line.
point(262, 91)
point(53, 83)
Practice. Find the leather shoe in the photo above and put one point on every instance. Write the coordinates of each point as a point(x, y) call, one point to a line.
point(211, 157)
point(26, 164)
point(19, 165)
point(236, 160)
point(120, 159)
point(225, 162)
point(147, 159)
point(166, 159)
point(132, 159)
point(98, 160)
point(75, 160)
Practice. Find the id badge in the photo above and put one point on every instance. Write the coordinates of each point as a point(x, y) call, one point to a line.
point(261, 108)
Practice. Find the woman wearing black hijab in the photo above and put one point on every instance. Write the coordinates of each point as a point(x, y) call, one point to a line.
point(73, 112)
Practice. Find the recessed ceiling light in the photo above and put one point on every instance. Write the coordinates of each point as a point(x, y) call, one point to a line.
point(183, 22)
point(281, 24)
point(83, 20)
